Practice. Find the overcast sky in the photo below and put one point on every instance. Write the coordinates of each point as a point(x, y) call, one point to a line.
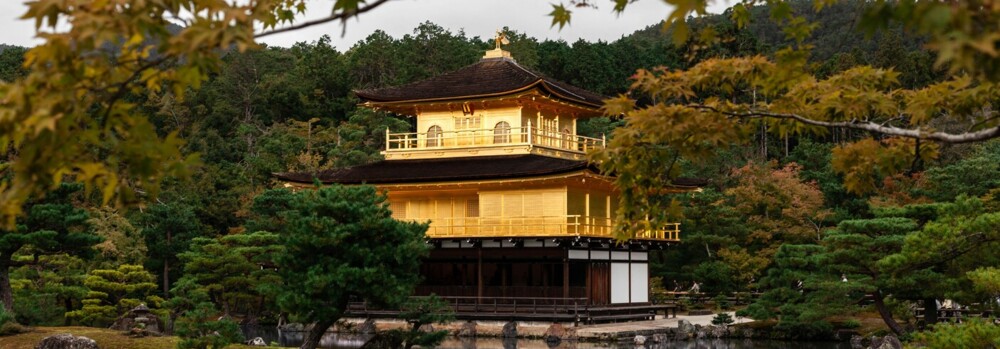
point(476, 17)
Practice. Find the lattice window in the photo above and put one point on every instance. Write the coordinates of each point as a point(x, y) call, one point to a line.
point(534, 204)
point(398, 209)
point(472, 207)
point(468, 122)
point(491, 204)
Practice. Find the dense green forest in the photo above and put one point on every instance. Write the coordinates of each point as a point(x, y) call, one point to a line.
point(774, 214)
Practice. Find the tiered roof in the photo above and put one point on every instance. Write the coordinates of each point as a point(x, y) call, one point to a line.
point(456, 169)
point(490, 77)
point(443, 169)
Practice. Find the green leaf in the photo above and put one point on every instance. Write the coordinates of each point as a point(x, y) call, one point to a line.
point(560, 15)
point(741, 15)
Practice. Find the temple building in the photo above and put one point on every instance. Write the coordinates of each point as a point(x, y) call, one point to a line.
point(521, 224)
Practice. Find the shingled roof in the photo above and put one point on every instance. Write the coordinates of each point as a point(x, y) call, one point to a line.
point(439, 170)
point(489, 77)
point(455, 169)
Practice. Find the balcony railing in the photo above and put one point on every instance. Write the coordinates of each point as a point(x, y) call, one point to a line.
point(538, 226)
point(528, 135)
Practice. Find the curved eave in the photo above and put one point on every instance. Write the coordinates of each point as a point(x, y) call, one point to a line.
point(458, 183)
point(540, 83)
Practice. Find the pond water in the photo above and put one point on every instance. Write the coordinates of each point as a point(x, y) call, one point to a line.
point(352, 341)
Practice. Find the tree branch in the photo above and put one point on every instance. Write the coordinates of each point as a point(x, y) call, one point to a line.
point(336, 16)
point(942, 137)
point(983, 122)
point(969, 244)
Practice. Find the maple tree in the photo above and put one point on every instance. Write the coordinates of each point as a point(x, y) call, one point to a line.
point(70, 119)
point(675, 116)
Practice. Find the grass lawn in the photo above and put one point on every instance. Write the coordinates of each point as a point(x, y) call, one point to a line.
point(106, 339)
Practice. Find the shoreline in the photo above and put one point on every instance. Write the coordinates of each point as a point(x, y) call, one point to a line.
point(681, 328)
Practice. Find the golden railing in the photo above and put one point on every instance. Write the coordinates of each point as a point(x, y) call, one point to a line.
point(527, 135)
point(537, 226)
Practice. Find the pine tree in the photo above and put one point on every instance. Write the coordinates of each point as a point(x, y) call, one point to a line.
point(52, 225)
point(342, 244)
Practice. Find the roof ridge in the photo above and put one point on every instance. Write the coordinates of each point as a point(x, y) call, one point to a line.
point(529, 71)
point(412, 83)
point(549, 81)
point(487, 77)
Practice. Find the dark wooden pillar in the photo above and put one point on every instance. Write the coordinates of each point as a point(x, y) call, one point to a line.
point(502, 266)
point(479, 275)
point(566, 277)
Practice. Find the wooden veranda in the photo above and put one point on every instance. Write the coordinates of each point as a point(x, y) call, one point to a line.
point(555, 309)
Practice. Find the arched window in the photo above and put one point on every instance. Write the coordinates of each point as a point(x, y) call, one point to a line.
point(434, 136)
point(501, 133)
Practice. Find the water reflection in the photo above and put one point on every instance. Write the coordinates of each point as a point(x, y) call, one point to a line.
point(353, 341)
point(494, 343)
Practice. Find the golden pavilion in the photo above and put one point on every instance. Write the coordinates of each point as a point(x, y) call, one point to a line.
point(521, 224)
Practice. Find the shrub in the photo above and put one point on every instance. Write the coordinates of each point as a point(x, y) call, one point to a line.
point(8, 325)
point(722, 302)
point(12, 328)
point(742, 313)
point(851, 323)
point(39, 308)
point(5, 317)
point(113, 292)
point(198, 330)
point(423, 311)
point(657, 292)
point(197, 326)
point(974, 333)
point(722, 319)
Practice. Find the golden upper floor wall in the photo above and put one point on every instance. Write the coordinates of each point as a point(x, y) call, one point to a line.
point(512, 127)
point(574, 206)
point(565, 211)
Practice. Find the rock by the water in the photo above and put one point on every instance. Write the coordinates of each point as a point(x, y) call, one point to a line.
point(558, 332)
point(509, 330)
point(856, 342)
point(257, 342)
point(685, 330)
point(718, 331)
point(685, 326)
point(510, 343)
point(468, 329)
point(639, 339)
point(368, 327)
point(887, 342)
point(660, 338)
point(700, 331)
point(747, 332)
point(67, 341)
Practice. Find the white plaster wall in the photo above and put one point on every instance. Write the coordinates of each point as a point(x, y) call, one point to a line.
point(640, 283)
point(619, 283)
